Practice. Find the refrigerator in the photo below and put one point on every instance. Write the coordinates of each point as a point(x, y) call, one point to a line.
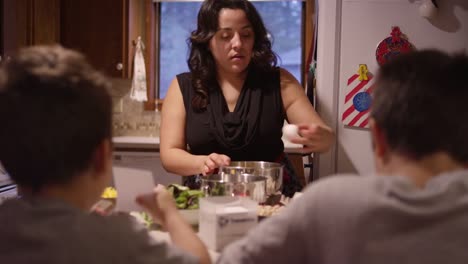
point(349, 32)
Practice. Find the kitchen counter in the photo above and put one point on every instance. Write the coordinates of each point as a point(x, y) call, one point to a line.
point(136, 143)
point(152, 144)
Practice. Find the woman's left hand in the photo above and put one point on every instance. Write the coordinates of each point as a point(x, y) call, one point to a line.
point(315, 138)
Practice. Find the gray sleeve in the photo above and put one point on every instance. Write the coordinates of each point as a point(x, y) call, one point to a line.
point(312, 227)
point(131, 243)
point(147, 251)
point(284, 238)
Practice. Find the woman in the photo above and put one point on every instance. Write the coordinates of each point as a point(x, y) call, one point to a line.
point(232, 104)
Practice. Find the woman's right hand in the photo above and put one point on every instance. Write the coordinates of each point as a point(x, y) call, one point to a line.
point(209, 163)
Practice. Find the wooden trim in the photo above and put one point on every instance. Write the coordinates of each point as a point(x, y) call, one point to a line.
point(141, 24)
point(45, 22)
point(157, 55)
point(16, 23)
point(150, 24)
point(310, 27)
point(131, 26)
point(308, 34)
point(2, 24)
point(126, 31)
point(150, 47)
point(29, 34)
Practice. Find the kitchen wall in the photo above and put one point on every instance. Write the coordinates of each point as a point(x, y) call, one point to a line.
point(349, 32)
point(129, 117)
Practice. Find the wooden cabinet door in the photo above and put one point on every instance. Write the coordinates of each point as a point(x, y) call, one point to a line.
point(103, 30)
point(28, 22)
point(99, 29)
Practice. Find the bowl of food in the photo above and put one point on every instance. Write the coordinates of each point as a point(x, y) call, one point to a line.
point(248, 185)
point(271, 170)
point(187, 201)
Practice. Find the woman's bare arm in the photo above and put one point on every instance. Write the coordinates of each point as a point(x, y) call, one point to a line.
point(174, 156)
point(316, 136)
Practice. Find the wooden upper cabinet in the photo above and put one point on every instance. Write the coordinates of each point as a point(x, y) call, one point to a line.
point(99, 29)
point(103, 30)
point(28, 22)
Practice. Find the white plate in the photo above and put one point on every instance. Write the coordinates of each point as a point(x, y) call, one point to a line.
point(191, 216)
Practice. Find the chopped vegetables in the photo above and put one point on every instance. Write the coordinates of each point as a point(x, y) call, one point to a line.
point(268, 210)
point(184, 197)
point(109, 193)
point(143, 218)
point(218, 190)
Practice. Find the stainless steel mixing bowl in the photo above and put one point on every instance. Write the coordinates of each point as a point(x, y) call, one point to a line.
point(249, 185)
point(271, 170)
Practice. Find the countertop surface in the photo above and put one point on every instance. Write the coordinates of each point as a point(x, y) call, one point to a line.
point(136, 142)
point(152, 143)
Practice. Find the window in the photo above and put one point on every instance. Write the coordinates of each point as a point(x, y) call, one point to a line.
point(283, 19)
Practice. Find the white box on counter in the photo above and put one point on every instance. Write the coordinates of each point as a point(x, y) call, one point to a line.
point(224, 219)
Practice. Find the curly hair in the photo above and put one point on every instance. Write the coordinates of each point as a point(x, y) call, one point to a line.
point(201, 62)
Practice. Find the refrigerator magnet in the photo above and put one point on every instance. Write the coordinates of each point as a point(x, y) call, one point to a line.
point(358, 98)
point(392, 46)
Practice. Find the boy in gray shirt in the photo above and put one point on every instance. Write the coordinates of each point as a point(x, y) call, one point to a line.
point(416, 210)
point(56, 145)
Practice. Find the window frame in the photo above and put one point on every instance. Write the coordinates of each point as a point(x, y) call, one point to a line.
point(155, 29)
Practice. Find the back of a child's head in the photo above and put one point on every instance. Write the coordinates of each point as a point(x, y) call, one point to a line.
point(420, 102)
point(54, 111)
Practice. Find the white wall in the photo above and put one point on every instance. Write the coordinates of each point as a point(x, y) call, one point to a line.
point(358, 28)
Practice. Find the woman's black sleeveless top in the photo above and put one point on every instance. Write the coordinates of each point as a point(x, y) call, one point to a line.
point(252, 132)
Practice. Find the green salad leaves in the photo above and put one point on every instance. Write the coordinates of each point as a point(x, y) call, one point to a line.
point(184, 197)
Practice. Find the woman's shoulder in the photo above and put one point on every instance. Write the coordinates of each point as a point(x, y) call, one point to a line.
point(271, 75)
point(269, 71)
point(184, 76)
point(184, 80)
point(287, 80)
point(278, 74)
point(285, 74)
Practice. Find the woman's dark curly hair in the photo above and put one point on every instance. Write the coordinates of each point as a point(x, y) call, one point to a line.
point(201, 63)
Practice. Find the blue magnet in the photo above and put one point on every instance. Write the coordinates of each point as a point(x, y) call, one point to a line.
point(362, 101)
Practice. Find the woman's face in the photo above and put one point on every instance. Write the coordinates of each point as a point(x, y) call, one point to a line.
point(233, 43)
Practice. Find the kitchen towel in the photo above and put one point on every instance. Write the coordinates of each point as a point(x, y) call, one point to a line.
point(138, 91)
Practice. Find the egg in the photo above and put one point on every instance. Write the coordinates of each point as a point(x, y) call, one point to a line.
point(290, 131)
